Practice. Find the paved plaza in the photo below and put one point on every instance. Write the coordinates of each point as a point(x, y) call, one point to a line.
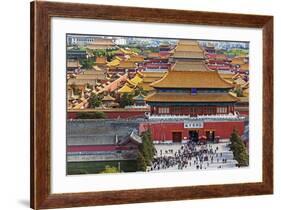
point(191, 156)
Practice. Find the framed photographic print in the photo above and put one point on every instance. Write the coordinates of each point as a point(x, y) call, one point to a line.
point(140, 105)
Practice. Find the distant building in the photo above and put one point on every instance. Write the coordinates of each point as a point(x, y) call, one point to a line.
point(192, 105)
point(102, 140)
point(109, 101)
point(101, 43)
point(82, 80)
point(156, 62)
point(139, 100)
point(218, 62)
point(187, 50)
point(191, 102)
point(191, 93)
point(120, 41)
point(76, 53)
point(73, 65)
point(240, 64)
point(210, 48)
point(101, 61)
point(81, 40)
point(148, 78)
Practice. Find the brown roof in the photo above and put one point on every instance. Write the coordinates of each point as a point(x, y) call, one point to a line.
point(227, 76)
point(73, 63)
point(90, 73)
point(191, 79)
point(186, 97)
point(126, 64)
point(136, 59)
point(88, 76)
point(108, 98)
point(238, 60)
point(190, 66)
point(81, 81)
point(101, 60)
point(244, 67)
point(243, 99)
point(153, 55)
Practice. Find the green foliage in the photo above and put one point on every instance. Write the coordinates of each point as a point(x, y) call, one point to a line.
point(239, 149)
point(108, 53)
point(126, 100)
point(140, 90)
point(239, 92)
point(91, 115)
point(237, 52)
point(95, 101)
point(86, 63)
point(94, 167)
point(136, 50)
point(147, 148)
point(141, 163)
point(109, 169)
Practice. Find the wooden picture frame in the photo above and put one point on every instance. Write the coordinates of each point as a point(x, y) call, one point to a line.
point(41, 14)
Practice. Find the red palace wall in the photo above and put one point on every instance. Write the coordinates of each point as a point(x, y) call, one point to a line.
point(164, 131)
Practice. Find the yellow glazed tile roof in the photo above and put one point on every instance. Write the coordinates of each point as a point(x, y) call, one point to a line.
point(187, 97)
point(191, 79)
point(126, 89)
point(190, 66)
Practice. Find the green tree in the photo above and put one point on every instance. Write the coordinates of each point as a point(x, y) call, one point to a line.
point(99, 115)
point(140, 90)
point(109, 169)
point(239, 149)
point(239, 92)
point(147, 147)
point(95, 101)
point(91, 115)
point(141, 163)
point(136, 50)
point(87, 63)
point(126, 100)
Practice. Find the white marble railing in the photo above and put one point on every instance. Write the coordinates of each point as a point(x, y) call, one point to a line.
point(198, 117)
point(136, 107)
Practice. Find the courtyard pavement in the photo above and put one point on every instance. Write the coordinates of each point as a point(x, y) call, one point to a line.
point(222, 152)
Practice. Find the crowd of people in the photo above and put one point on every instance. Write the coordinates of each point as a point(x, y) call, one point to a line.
point(189, 155)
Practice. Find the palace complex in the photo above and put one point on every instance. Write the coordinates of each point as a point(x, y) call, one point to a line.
point(182, 92)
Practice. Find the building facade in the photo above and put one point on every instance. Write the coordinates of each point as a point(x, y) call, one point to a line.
point(191, 102)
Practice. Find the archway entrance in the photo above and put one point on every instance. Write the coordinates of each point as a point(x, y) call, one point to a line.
point(177, 136)
point(210, 135)
point(193, 135)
